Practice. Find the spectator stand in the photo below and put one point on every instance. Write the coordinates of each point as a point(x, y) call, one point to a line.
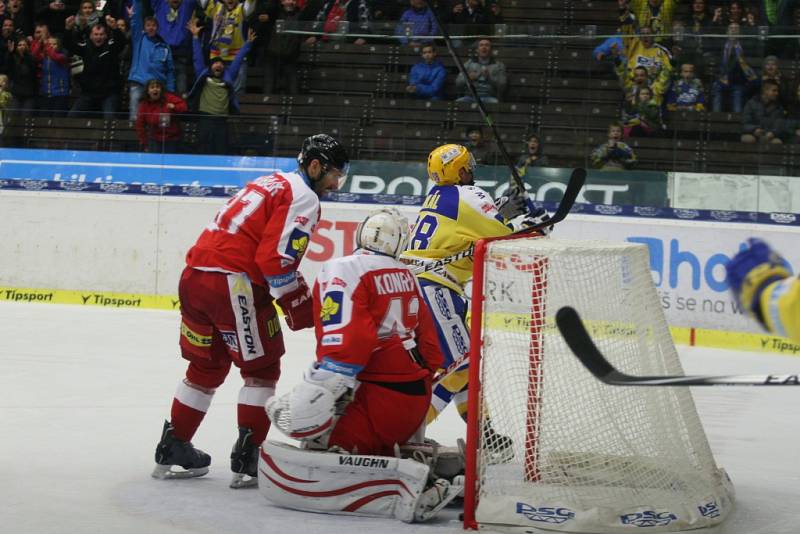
point(555, 88)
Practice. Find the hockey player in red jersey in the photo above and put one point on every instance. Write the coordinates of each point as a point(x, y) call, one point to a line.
point(373, 330)
point(367, 392)
point(244, 259)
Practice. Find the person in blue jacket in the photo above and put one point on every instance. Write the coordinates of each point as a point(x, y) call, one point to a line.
point(172, 17)
point(151, 57)
point(426, 79)
point(213, 95)
point(422, 21)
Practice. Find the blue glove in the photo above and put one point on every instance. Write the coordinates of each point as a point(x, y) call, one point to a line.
point(751, 271)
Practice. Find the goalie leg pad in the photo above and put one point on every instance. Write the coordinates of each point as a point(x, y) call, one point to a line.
point(348, 484)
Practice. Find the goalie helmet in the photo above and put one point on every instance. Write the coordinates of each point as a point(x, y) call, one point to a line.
point(445, 163)
point(326, 149)
point(384, 231)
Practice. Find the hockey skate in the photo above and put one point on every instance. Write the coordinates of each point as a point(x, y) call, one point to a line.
point(244, 461)
point(499, 448)
point(436, 497)
point(176, 458)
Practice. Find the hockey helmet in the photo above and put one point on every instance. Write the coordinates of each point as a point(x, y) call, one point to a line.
point(327, 150)
point(446, 161)
point(384, 231)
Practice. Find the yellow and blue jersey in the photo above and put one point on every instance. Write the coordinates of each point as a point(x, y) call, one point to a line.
point(451, 219)
point(780, 307)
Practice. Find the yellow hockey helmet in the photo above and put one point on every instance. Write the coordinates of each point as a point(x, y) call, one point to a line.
point(445, 162)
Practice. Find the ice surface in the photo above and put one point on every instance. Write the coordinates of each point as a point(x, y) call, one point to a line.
point(85, 391)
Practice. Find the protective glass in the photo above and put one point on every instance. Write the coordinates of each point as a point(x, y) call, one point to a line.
point(343, 173)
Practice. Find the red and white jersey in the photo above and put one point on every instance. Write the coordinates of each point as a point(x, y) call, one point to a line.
point(369, 313)
point(263, 231)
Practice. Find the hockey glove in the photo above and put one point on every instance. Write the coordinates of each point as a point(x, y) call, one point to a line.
point(308, 412)
point(751, 271)
point(537, 216)
point(297, 305)
point(512, 204)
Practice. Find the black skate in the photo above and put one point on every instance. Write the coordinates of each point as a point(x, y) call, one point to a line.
point(173, 453)
point(499, 448)
point(244, 461)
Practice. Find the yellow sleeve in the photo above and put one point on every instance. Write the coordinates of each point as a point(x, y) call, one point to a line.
point(639, 9)
point(780, 307)
point(478, 217)
point(211, 8)
point(661, 82)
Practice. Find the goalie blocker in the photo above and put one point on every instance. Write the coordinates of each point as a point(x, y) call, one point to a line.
point(351, 484)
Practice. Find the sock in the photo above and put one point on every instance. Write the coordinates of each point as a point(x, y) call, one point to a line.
point(444, 391)
point(251, 413)
point(460, 399)
point(188, 409)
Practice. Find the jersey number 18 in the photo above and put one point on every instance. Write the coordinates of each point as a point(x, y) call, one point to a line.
point(423, 232)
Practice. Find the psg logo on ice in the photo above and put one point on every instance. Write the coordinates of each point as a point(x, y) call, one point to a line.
point(648, 518)
point(709, 509)
point(545, 514)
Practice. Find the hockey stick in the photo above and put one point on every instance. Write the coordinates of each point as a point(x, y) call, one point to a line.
point(574, 186)
point(485, 114)
point(581, 344)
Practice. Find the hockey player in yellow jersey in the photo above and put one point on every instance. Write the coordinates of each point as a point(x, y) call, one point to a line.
point(455, 214)
point(762, 282)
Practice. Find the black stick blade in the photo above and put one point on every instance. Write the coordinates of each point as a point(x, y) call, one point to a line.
point(580, 343)
point(574, 186)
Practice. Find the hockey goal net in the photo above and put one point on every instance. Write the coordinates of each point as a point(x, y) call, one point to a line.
point(586, 457)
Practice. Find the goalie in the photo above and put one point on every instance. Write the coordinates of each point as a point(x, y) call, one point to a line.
point(455, 214)
point(367, 393)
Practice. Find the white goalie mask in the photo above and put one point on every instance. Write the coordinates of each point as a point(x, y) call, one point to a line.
point(384, 231)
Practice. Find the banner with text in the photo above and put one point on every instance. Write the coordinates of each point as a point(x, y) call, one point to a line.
point(135, 167)
point(687, 261)
point(640, 188)
point(644, 188)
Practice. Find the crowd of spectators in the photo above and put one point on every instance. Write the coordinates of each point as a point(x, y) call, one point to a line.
point(123, 58)
point(711, 58)
point(162, 58)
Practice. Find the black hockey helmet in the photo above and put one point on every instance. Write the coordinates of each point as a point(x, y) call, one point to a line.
point(326, 149)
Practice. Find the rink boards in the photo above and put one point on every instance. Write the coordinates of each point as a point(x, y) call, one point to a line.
point(127, 251)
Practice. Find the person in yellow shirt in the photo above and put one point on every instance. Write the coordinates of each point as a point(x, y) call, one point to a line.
point(227, 32)
point(763, 284)
point(455, 214)
point(655, 14)
point(642, 51)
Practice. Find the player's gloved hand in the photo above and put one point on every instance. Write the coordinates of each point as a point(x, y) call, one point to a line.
point(512, 204)
point(751, 271)
point(297, 305)
point(537, 216)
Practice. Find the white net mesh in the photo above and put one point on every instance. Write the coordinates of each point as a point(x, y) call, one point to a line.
point(587, 457)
